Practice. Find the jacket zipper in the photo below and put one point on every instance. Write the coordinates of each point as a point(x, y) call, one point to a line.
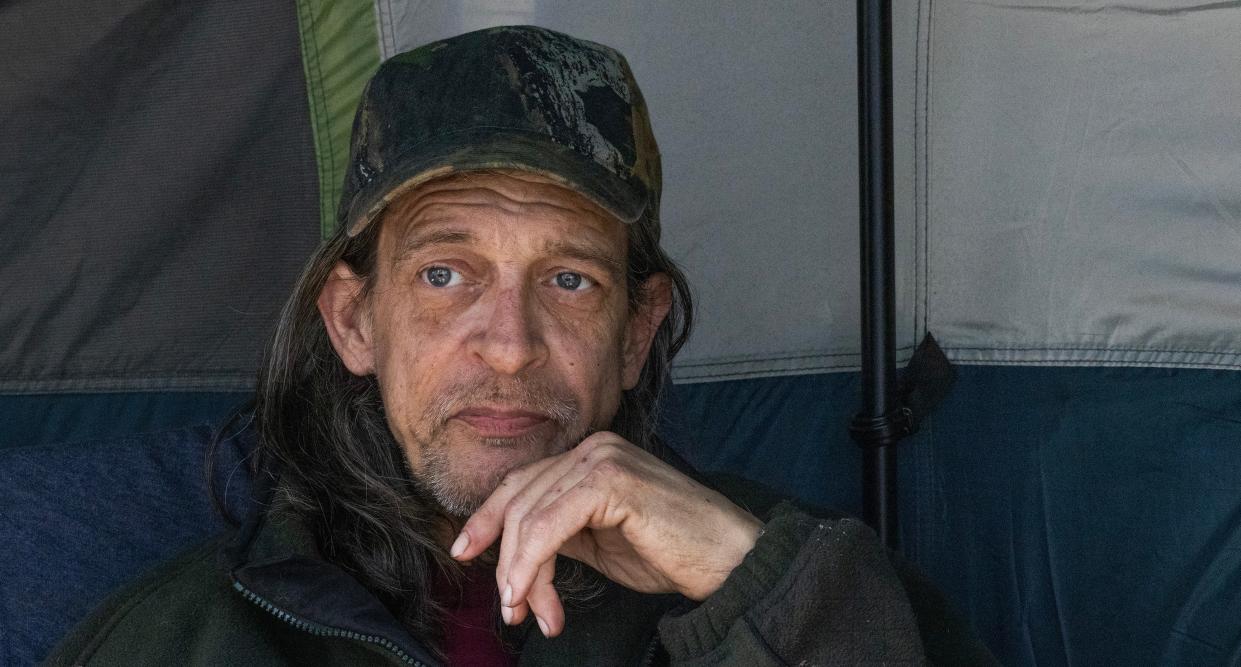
point(323, 630)
point(649, 659)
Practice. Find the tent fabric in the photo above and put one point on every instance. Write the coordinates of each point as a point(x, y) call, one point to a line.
point(156, 192)
point(340, 52)
point(1085, 515)
point(1078, 202)
point(45, 419)
point(787, 432)
point(1076, 515)
point(101, 513)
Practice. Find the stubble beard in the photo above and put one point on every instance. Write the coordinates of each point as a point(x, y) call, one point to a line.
point(448, 479)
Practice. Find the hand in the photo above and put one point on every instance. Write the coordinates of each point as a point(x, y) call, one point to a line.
point(616, 508)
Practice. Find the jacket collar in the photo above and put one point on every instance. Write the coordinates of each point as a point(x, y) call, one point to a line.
point(274, 559)
point(275, 563)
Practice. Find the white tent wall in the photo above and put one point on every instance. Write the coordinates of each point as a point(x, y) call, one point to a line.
point(1081, 204)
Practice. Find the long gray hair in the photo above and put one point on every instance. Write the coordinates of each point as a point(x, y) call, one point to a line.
point(325, 449)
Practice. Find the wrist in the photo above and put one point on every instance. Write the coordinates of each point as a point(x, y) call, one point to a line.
point(740, 534)
point(700, 629)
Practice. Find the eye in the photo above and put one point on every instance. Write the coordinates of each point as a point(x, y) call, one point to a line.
point(440, 276)
point(574, 282)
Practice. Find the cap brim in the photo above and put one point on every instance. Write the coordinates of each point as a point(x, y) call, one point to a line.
point(524, 151)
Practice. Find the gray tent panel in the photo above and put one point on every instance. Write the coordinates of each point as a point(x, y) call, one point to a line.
point(157, 187)
point(1081, 201)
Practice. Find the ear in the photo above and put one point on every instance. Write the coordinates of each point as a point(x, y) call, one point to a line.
point(640, 331)
point(346, 320)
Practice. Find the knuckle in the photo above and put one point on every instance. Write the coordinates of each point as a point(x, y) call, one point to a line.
point(514, 510)
point(537, 525)
point(609, 468)
point(518, 475)
point(598, 437)
point(594, 481)
point(587, 446)
point(600, 450)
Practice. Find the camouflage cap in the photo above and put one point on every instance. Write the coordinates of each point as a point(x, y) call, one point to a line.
point(517, 97)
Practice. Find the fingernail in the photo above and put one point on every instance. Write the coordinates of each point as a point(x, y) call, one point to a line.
point(542, 626)
point(507, 598)
point(458, 547)
point(507, 614)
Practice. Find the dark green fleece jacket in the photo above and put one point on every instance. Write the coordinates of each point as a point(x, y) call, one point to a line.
point(814, 591)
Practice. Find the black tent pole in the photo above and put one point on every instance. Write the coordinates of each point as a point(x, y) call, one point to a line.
point(876, 427)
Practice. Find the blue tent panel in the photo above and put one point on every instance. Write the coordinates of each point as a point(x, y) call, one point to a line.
point(1075, 515)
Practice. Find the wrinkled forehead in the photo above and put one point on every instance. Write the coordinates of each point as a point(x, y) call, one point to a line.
point(515, 194)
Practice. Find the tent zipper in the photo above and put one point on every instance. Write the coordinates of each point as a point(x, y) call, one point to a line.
point(323, 630)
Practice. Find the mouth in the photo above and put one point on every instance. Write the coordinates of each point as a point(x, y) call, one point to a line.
point(498, 422)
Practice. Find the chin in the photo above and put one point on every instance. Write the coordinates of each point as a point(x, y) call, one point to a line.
point(461, 496)
point(461, 478)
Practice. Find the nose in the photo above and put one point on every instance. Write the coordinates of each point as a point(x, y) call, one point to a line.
point(511, 339)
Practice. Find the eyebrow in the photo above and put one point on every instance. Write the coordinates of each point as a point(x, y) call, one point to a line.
point(585, 253)
point(413, 243)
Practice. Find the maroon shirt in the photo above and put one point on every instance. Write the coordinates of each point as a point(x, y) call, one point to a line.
point(471, 636)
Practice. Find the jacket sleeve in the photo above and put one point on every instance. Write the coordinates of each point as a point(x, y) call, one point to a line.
point(812, 591)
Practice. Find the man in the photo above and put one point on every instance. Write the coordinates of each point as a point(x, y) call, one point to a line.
point(457, 411)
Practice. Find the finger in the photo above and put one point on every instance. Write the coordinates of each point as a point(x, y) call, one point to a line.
point(573, 472)
point(485, 525)
point(569, 471)
point(529, 481)
point(544, 595)
point(541, 535)
point(519, 506)
point(588, 465)
point(515, 614)
point(544, 601)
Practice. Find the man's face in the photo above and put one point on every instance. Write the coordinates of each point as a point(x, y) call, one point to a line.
point(498, 328)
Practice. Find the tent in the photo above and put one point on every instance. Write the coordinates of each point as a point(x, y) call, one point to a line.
point(1067, 227)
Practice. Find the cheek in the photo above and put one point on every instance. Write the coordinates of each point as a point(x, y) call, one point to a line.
point(589, 350)
point(407, 332)
point(412, 354)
